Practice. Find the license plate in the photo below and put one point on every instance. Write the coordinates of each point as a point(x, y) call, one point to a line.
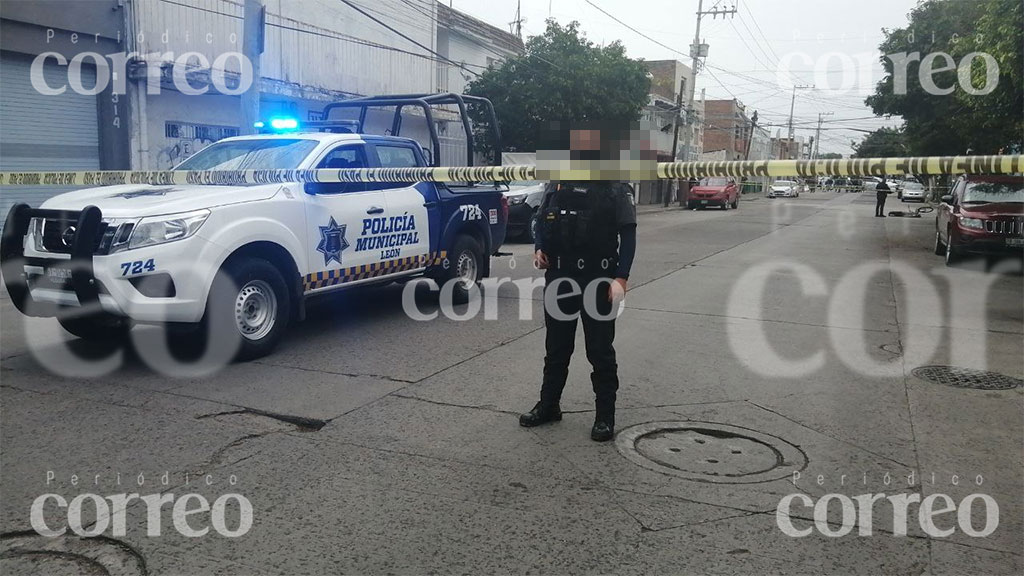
point(56, 277)
point(1015, 242)
point(703, 201)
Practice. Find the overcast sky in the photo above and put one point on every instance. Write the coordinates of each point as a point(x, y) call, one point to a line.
point(751, 44)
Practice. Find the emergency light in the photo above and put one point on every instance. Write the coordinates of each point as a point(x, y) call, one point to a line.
point(279, 124)
point(284, 123)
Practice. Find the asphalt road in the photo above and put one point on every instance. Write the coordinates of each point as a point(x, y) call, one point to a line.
point(763, 352)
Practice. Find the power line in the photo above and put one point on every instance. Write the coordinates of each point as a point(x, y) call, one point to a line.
point(319, 32)
point(665, 46)
point(436, 22)
point(402, 35)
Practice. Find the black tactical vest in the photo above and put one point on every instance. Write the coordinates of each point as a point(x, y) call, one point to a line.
point(580, 227)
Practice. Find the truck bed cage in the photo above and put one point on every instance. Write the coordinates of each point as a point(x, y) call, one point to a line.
point(425, 102)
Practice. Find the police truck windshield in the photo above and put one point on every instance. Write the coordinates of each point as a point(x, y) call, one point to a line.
point(265, 154)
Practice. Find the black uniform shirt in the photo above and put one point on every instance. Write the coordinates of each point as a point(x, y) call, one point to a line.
point(625, 220)
point(882, 190)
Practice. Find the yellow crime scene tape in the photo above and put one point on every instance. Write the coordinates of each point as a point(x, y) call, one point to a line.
point(567, 171)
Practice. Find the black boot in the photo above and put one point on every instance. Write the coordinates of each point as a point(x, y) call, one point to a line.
point(603, 430)
point(541, 414)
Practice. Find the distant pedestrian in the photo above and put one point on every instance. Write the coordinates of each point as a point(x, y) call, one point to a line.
point(882, 192)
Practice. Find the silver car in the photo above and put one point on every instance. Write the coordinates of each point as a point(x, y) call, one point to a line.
point(913, 191)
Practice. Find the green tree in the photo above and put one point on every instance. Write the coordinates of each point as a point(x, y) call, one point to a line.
point(882, 143)
point(830, 156)
point(562, 77)
point(937, 124)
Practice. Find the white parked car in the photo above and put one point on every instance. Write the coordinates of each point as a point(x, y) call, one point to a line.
point(784, 189)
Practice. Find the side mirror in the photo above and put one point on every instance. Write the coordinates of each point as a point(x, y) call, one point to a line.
point(947, 199)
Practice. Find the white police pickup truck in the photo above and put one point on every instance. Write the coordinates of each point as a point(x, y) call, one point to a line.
point(246, 257)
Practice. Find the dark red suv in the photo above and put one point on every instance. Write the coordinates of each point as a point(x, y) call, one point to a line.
point(982, 215)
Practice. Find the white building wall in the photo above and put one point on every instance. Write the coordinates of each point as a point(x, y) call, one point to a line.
point(760, 145)
point(471, 55)
point(315, 43)
point(180, 110)
point(315, 52)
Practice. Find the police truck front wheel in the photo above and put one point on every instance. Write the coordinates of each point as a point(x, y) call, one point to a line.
point(465, 267)
point(249, 304)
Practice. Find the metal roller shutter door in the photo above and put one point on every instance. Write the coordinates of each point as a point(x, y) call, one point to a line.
point(40, 132)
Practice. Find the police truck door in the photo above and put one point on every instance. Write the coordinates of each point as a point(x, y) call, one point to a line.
point(337, 216)
point(413, 209)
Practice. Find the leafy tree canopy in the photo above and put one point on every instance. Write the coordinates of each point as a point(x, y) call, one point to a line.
point(882, 143)
point(562, 77)
point(946, 124)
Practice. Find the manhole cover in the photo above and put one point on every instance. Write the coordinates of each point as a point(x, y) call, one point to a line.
point(30, 553)
point(966, 378)
point(710, 452)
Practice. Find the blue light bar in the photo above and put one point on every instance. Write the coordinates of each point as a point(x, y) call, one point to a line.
point(258, 125)
point(284, 123)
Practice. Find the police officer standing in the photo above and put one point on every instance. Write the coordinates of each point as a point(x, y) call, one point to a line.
point(882, 192)
point(585, 243)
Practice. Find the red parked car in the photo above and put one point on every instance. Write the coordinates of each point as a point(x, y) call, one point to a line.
point(722, 192)
point(982, 215)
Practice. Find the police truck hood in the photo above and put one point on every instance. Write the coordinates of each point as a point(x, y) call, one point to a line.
point(138, 200)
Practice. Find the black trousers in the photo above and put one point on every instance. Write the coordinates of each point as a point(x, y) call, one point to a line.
point(560, 341)
point(880, 205)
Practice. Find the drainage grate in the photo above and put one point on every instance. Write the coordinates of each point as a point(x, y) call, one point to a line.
point(966, 378)
point(710, 452)
point(30, 553)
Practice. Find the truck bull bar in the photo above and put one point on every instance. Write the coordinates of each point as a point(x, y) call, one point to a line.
point(83, 243)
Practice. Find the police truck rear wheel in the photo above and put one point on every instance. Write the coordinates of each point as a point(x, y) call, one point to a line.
point(465, 267)
point(249, 303)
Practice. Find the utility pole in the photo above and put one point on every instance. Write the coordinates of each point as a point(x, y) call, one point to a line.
point(253, 26)
point(750, 139)
point(516, 26)
point(698, 51)
point(817, 134)
point(675, 131)
point(792, 105)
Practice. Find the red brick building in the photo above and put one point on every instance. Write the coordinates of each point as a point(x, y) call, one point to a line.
point(726, 127)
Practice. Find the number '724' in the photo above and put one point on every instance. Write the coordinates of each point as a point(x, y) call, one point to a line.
point(137, 267)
